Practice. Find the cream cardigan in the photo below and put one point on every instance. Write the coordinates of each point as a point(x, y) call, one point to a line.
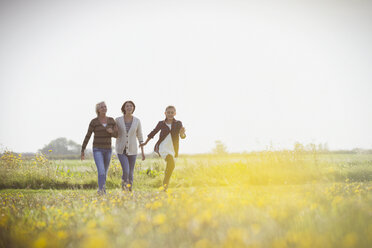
point(128, 140)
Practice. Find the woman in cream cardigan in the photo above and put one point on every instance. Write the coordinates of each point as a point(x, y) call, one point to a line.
point(129, 130)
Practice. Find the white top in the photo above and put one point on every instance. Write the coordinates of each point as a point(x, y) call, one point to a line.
point(104, 124)
point(166, 146)
point(128, 139)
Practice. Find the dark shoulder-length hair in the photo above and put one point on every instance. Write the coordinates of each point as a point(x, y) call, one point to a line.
point(123, 107)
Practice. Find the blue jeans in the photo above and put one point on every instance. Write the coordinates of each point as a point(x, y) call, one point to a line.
point(102, 158)
point(127, 164)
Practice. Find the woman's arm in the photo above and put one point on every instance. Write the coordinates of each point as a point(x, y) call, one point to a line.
point(145, 143)
point(86, 140)
point(142, 152)
point(113, 131)
point(140, 138)
point(139, 132)
point(152, 134)
point(182, 131)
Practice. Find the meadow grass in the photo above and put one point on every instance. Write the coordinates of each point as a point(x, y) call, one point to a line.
point(265, 168)
point(268, 199)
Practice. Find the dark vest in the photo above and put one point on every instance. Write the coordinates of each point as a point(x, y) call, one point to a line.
point(164, 131)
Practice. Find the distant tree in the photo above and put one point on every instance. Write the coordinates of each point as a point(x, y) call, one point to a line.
point(220, 148)
point(61, 146)
point(323, 147)
point(326, 147)
point(311, 147)
point(358, 150)
point(298, 147)
point(320, 147)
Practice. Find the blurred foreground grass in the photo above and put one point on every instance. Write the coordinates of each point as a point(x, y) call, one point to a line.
point(269, 199)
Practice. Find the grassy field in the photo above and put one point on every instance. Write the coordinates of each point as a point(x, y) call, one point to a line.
point(267, 199)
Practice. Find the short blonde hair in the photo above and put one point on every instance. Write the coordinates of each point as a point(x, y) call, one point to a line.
point(98, 105)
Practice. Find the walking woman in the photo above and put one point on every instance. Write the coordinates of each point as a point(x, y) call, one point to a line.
point(104, 128)
point(129, 130)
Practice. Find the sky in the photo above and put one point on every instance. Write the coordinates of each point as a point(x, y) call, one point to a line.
point(252, 74)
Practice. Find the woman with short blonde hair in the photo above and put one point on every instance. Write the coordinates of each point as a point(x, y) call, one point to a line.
point(104, 128)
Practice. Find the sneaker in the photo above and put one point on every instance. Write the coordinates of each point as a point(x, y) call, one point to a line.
point(165, 186)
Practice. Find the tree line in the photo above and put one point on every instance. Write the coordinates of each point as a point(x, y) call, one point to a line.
point(62, 148)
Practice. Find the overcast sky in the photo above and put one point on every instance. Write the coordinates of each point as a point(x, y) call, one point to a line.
point(248, 73)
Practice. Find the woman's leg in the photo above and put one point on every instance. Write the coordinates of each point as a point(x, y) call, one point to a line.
point(107, 159)
point(125, 166)
point(98, 159)
point(168, 170)
point(132, 163)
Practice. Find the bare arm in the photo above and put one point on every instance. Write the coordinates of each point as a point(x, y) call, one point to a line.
point(152, 134)
point(145, 143)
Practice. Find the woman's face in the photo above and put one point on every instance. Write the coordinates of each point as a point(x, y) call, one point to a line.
point(102, 109)
point(129, 108)
point(170, 113)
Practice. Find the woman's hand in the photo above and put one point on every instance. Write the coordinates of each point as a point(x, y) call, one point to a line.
point(142, 151)
point(182, 132)
point(145, 143)
point(109, 130)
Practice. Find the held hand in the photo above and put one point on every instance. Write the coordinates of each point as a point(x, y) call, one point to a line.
point(109, 130)
point(182, 131)
point(82, 157)
point(143, 144)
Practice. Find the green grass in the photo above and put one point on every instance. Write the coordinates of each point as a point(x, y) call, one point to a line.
point(268, 199)
point(257, 169)
point(319, 215)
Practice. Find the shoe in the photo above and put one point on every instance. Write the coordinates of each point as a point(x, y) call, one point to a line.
point(165, 186)
point(123, 185)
